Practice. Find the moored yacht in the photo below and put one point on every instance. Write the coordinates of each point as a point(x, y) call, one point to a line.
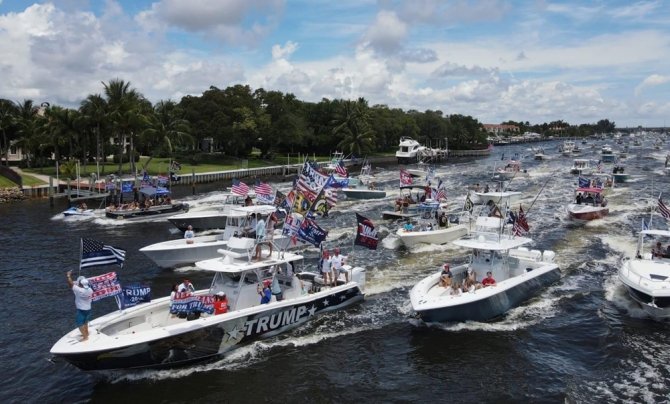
point(408, 151)
point(519, 274)
point(149, 336)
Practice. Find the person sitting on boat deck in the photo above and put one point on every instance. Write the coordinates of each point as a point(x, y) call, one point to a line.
point(248, 201)
point(83, 295)
point(265, 292)
point(337, 262)
point(470, 282)
point(186, 286)
point(588, 199)
point(188, 234)
point(486, 188)
point(579, 198)
point(408, 226)
point(488, 281)
point(445, 276)
point(325, 267)
point(260, 236)
point(220, 303)
point(455, 289)
point(597, 199)
point(82, 206)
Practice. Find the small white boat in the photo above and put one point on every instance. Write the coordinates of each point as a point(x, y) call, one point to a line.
point(519, 274)
point(647, 276)
point(539, 154)
point(567, 148)
point(431, 230)
point(509, 171)
point(79, 212)
point(148, 336)
point(180, 252)
point(581, 167)
point(590, 204)
point(607, 154)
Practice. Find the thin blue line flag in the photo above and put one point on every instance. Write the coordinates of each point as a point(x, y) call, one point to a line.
point(94, 253)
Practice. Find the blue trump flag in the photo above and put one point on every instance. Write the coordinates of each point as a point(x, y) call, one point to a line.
point(310, 232)
point(584, 182)
point(127, 187)
point(134, 294)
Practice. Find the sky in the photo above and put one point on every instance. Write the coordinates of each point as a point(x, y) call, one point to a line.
point(496, 60)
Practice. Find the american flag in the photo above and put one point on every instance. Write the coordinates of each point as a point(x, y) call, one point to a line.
point(405, 177)
point(341, 170)
point(521, 224)
point(239, 187)
point(94, 253)
point(665, 212)
point(441, 195)
point(262, 188)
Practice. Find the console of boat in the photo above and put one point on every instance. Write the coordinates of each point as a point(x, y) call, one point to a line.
point(149, 336)
point(647, 276)
point(519, 274)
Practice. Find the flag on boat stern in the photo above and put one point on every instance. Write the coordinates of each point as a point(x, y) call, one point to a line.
point(665, 212)
point(95, 253)
point(366, 234)
point(239, 187)
point(262, 188)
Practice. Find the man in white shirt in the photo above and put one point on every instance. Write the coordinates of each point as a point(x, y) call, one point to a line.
point(83, 295)
point(186, 286)
point(337, 261)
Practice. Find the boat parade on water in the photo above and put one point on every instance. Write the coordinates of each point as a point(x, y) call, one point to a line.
point(251, 242)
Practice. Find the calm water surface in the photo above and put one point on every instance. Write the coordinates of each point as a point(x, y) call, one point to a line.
point(579, 340)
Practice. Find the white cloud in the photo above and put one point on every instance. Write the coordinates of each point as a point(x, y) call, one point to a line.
point(651, 81)
point(387, 33)
point(635, 11)
point(279, 52)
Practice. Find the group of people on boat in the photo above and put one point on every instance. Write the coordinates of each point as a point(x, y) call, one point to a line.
point(332, 265)
point(136, 204)
point(468, 284)
point(589, 198)
point(659, 252)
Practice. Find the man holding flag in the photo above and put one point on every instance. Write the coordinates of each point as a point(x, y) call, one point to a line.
point(83, 296)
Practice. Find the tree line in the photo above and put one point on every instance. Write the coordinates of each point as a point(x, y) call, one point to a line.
point(231, 122)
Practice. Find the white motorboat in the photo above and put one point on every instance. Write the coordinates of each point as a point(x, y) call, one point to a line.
point(519, 273)
point(647, 276)
point(607, 154)
point(408, 151)
point(567, 148)
point(174, 253)
point(509, 171)
point(79, 212)
point(213, 217)
point(407, 204)
point(581, 167)
point(148, 336)
point(539, 154)
point(431, 230)
point(590, 204)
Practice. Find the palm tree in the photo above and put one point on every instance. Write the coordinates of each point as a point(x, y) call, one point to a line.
point(166, 130)
point(353, 123)
point(94, 112)
point(124, 105)
point(29, 135)
point(8, 113)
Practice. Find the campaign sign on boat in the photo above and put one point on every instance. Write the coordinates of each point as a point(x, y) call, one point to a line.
point(187, 303)
point(311, 232)
point(104, 285)
point(134, 294)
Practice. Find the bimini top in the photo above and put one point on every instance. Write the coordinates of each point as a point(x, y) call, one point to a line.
point(235, 263)
point(262, 209)
point(491, 241)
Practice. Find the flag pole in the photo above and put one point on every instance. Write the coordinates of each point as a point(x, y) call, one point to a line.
point(81, 252)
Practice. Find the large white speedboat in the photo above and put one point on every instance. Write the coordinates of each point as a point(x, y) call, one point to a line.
point(408, 151)
point(590, 204)
point(647, 276)
point(148, 336)
point(519, 273)
point(213, 217)
point(179, 252)
point(581, 167)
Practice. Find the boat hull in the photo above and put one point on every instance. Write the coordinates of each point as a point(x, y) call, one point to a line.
point(586, 213)
point(352, 193)
point(200, 343)
point(652, 295)
point(439, 236)
point(177, 253)
point(494, 305)
point(411, 159)
point(154, 211)
point(620, 178)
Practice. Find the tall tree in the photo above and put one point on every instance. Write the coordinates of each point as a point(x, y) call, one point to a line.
point(94, 112)
point(353, 126)
point(8, 113)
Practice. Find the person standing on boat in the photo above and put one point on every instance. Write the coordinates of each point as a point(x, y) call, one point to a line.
point(325, 267)
point(188, 234)
point(83, 295)
point(220, 303)
point(186, 286)
point(337, 261)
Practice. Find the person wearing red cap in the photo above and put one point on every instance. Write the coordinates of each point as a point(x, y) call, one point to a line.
point(265, 292)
